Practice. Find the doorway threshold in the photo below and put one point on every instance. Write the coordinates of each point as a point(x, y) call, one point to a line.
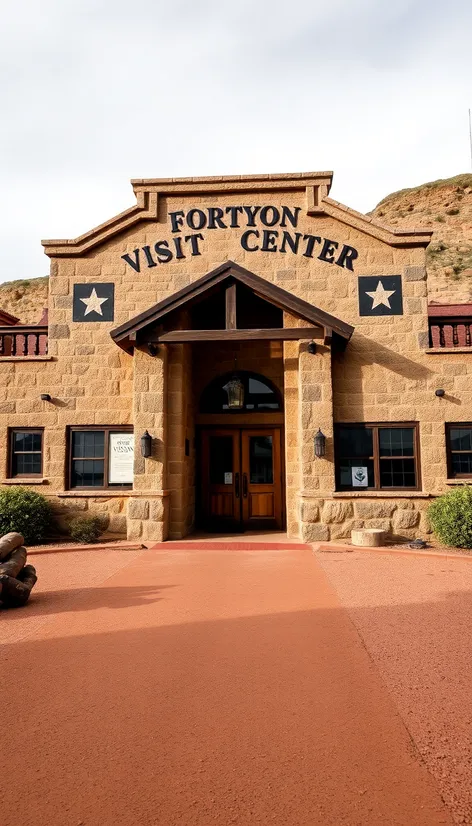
point(246, 541)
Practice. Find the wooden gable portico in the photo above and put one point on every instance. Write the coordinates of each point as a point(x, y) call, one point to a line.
point(162, 323)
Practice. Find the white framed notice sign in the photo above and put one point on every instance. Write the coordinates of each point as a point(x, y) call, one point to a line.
point(359, 477)
point(121, 459)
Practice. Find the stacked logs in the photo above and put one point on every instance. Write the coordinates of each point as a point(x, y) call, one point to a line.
point(16, 578)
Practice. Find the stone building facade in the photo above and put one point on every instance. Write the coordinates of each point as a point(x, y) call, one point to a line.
point(231, 320)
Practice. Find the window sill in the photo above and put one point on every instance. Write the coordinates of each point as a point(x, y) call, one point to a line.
point(464, 481)
point(22, 481)
point(381, 494)
point(78, 494)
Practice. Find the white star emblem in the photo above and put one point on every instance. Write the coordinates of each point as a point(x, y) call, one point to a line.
point(380, 296)
point(93, 303)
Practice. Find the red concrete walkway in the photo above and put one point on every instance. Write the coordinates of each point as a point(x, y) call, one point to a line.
point(204, 688)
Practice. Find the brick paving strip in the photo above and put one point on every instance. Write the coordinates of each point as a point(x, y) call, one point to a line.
point(199, 688)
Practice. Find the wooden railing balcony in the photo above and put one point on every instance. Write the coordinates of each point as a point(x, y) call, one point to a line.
point(23, 340)
point(449, 333)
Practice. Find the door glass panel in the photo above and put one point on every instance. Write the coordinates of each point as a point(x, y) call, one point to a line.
point(260, 460)
point(221, 460)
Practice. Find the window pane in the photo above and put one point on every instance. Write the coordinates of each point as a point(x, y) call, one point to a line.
point(88, 443)
point(256, 386)
point(461, 463)
point(87, 473)
point(260, 460)
point(345, 471)
point(355, 441)
point(397, 473)
point(26, 463)
point(460, 438)
point(23, 440)
point(396, 441)
point(221, 460)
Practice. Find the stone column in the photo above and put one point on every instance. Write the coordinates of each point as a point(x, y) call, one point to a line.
point(147, 516)
point(317, 479)
point(180, 430)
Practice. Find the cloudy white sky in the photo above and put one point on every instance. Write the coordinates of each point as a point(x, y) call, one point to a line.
point(95, 92)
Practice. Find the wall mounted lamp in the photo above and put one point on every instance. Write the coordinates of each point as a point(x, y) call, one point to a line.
point(153, 348)
point(440, 393)
point(45, 397)
point(312, 348)
point(320, 444)
point(146, 445)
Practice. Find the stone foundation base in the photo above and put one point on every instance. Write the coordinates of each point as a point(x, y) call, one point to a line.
point(327, 519)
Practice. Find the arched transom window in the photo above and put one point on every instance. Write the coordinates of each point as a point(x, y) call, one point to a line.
point(240, 391)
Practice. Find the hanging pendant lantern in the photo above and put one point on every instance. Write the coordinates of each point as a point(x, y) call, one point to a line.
point(235, 391)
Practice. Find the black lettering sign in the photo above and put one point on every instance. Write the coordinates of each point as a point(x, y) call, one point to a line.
point(252, 240)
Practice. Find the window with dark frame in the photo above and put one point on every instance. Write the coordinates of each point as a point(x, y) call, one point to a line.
point(386, 454)
point(89, 457)
point(26, 452)
point(459, 450)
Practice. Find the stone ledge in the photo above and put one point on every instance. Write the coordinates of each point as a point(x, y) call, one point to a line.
point(438, 351)
point(27, 358)
point(25, 482)
point(458, 481)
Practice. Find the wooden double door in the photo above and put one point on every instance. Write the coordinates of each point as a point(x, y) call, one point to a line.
point(241, 479)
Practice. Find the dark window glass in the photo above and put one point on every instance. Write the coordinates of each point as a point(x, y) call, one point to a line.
point(396, 441)
point(387, 453)
point(397, 473)
point(26, 453)
point(221, 460)
point(88, 444)
point(88, 473)
point(356, 441)
point(260, 460)
point(460, 450)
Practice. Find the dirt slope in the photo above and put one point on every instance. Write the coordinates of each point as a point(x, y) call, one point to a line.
point(445, 206)
point(25, 299)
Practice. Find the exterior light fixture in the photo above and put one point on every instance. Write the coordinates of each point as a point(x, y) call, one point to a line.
point(45, 397)
point(153, 348)
point(320, 444)
point(146, 445)
point(235, 391)
point(312, 348)
point(440, 393)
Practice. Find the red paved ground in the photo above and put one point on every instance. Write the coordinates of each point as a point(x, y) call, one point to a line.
point(415, 617)
point(197, 689)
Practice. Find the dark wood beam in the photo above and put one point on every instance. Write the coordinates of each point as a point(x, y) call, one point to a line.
point(280, 334)
point(230, 297)
point(328, 335)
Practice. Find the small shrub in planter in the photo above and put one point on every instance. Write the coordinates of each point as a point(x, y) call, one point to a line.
point(25, 511)
point(450, 517)
point(85, 529)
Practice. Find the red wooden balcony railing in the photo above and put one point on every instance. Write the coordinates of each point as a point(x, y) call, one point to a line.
point(23, 340)
point(450, 326)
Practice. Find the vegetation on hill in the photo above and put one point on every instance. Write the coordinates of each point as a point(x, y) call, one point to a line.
point(445, 206)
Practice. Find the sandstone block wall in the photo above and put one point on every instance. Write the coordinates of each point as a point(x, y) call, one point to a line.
point(385, 373)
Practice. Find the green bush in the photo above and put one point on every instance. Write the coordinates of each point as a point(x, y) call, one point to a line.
point(85, 529)
point(25, 511)
point(450, 517)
